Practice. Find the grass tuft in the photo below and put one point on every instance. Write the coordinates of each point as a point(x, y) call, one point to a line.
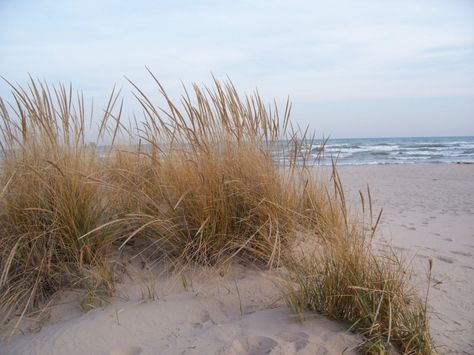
point(51, 196)
point(206, 188)
point(340, 275)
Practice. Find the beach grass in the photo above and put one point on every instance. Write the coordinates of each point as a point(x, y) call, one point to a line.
point(210, 178)
point(207, 188)
point(51, 196)
point(336, 272)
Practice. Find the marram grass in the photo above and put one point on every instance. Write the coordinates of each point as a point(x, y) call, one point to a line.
point(370, 292)
point(198, 182)
point(337, 273)
point(51, 196)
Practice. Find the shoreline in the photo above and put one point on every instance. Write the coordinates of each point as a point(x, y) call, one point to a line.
point(399, 164)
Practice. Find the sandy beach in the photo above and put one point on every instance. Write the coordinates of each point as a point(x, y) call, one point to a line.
point(236, 178)
point(428, 213)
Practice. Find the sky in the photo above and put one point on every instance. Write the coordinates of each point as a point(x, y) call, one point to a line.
point(351, 68)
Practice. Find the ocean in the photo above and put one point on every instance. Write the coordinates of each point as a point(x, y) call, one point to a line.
point(372, 151)
point(411, 150)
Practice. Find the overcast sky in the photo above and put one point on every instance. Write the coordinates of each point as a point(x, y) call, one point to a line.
point(351, 68)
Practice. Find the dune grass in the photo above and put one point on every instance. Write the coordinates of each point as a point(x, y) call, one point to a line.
point(215, 177)
point(51, 196)
point(338, 273)
point(206, 188)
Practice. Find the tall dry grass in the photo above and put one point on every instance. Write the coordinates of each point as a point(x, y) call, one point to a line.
point(51, 195)
point(207, 188)
point(338, 273)
point(206, 184)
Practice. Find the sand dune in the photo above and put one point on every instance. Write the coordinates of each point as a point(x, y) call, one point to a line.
point(240, 313)
point(428, 213)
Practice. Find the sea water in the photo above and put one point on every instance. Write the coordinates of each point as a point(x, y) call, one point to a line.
point(369, 151)
point(411, 150)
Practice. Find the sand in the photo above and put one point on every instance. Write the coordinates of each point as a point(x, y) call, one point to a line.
point(238, 313)
point(428, 213)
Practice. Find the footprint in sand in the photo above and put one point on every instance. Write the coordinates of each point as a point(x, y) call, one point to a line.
point(463, 253)
point(422, 256)
point(127, 350)
point(300, 339)
point(258, 345)
point(200, 320)
point(445, 259)
point(409, 228)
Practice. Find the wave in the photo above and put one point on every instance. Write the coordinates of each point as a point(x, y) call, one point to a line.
point(396, 150)
point(430, 145)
